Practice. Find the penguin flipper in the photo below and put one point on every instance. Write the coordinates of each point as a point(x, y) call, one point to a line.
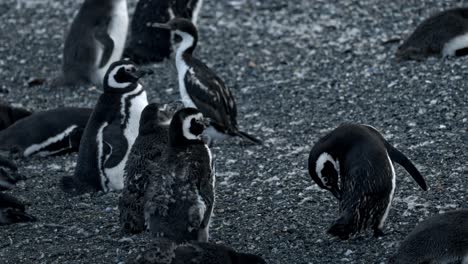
point(104, 38)
point(401, 159)
point(115, 144)
point(207, 193)
point(8, 164)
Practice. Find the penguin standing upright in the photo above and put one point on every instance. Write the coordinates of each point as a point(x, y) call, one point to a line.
point(445, 34)
point(9, 115)
point(179, 197)
point(95, 40)
point(354, 162)
point(148, 44)
point(201, 88)
point(110, 132)
point(148, 147)
point(439, 239)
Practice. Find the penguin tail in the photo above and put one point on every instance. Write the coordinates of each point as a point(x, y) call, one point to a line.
point(248, 137)
point(401, 159)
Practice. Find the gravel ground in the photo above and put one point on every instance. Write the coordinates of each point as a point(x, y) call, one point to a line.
point(298, 69)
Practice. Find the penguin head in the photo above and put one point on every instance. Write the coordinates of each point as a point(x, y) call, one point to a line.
point(122, 75)
point(325, 171)
point(183, 28)
point(155, 116)
point(187, 127)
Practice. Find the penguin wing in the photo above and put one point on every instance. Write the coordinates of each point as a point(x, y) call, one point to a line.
point(210, 95)
point(104, 38)
point(206, 191)
point(115, 144)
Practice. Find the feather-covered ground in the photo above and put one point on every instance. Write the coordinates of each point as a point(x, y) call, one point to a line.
point(298, 69)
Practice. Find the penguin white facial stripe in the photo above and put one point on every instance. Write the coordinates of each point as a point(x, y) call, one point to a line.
point(196, 11)
point(187, 123)
point(111, 79)
point(182, 67)
point(459, 42)
point(124, 100)
point(37, 147)
point(392, 192)
point(320, 164)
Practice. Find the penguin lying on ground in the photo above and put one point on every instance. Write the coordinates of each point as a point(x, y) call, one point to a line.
point(10, 114)
point(354, 162)
point(110, 132)
point(440, 239)
point(148, 147)
point(445, 33)
point(13, 211)
point(201, 88)
point(50, 132)
point(179, 197)
point(148, 44)
point(95, 40)
point(167, 252)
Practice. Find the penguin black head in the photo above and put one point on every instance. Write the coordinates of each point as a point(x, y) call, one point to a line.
point(155, 116)
point(325, 171)
point(187, 127)
point(183, 28)
point(121, 75)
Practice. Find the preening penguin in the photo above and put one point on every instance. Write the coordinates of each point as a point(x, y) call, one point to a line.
point(179, 198)
point(13, 211)
point(148, 148)
point(148, 44)
point(10, 114)
point(440, 239)
point(354, 162)
point(56, 131)
point(95, 40)
point(201, 88)
point(445, 34)
point(110, 131)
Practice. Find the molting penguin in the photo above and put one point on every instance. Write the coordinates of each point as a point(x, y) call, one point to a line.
point(10, 114)
point(179, 198)
point(354, 162)
point(148, 44)
point(445, 33)
point(95, 40)
point(440, 239)
point(110, 132)
point(201, 88)
point(148, 147)
point(167, 252)
point(13, 211)
point(56, 131)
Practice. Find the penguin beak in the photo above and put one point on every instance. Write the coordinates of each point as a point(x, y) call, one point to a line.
point(140, 73)
point(161, 25)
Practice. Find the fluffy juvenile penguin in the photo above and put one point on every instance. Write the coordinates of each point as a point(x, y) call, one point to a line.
point(201, 88)
point(148, 44)
point(110, 132)
point(166, 252)
point(95, 40)
point(440, 239)
point(354, 162)
point(10, 114)
point(148, 148)
point(13, 211)
point(56, 131)
point(445, 34)
point(179, 197)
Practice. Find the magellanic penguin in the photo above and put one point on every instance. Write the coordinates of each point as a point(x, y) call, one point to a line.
point(95, 40)
point(13, 211)
point(440, 239)
point(168, 252)
point(201, 88)
point(354, 162)
point(148, 148)
point(179, 197)
point(110, 132)
point(445, 34)
point(148, 44)
point(10, 114)
point(45, 133)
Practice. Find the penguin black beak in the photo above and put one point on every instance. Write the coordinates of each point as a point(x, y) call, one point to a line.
point(161, 25)
point(140, 73)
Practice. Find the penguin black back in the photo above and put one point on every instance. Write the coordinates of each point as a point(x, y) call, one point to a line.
point(10, 114)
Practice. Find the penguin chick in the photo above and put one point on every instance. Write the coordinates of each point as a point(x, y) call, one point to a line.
point(439, 239)
point(56, 131)
point(110, 132)
point(165, 252)
point(201, 88)
point(445, 33)
point(149, 44)
point(148, 147)
point(96, 39)
point(10, 114)
point(13, 211)
point(179, 198)
point(354, 162)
